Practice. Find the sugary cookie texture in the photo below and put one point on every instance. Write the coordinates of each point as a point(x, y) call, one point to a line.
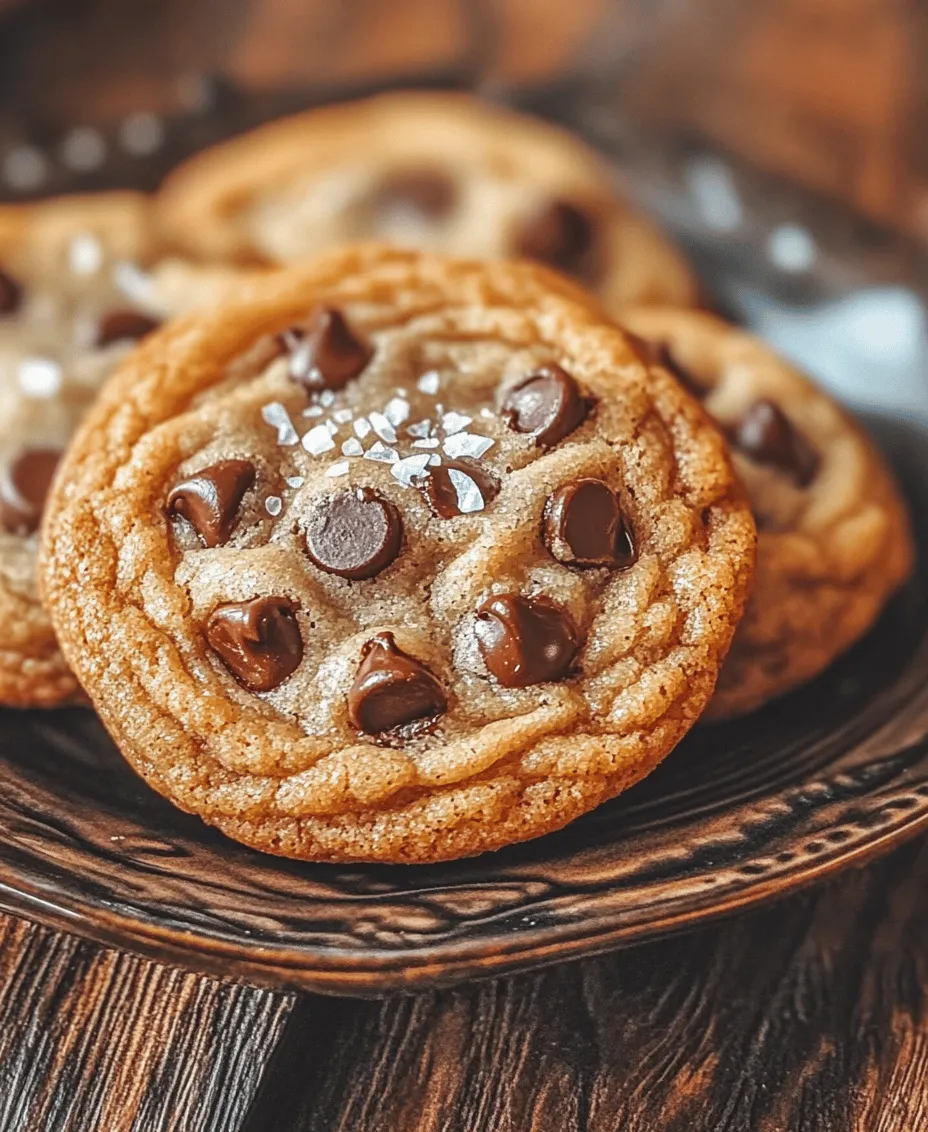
point(396, 558)
point(73, 301)
point(833, 534)
point(442, 172)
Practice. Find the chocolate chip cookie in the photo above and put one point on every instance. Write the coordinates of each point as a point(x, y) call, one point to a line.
point(396, 558)
point(443, 172)
point(833, 533)
point(73, 301)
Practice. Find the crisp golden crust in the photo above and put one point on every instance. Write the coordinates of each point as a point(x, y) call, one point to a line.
point(829, 553)
point(284, 771)
point(303, 185)
point(63, 254)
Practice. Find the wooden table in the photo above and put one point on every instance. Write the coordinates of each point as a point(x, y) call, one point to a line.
point(810, 1015)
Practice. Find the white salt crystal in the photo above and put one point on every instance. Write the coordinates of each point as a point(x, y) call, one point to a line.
point(273, 505)
point(39, 377)
point(454, 422)
point(396, 411)
point(275, 414)
point(429, 383)
point(362, 427)
point(295, 481)
point(469, 496)
point(381, 454)
point(382, 427)
point(435, 460)
point(342, 416)
point(327, 398)
point(332, 427)
point(466, 444)
point(318, 440)
point(313, 411)
point(339, 469)
point(420, 428)
point(410, 468)
point(431, 443)
point(353, 447)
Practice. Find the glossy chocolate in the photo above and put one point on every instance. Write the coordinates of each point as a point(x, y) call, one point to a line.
point(767, 436)
point(258, 641)
point(24, 485)
point(354, 534)
point(392, 690)
point(583, 526)
point(210, 500)
point(328, 355)
point(526, 640)
point(441, 493)
point(548, 404)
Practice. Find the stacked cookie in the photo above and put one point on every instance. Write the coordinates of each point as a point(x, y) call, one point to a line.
point(398, 556)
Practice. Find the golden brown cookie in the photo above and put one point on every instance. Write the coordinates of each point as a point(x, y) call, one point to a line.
point(73, 300)
point(396, 558)
point(443, 172)
point(833, 534)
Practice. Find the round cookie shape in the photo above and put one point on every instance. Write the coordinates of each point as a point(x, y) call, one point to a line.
point(441, 172)
point(472, 691)
point(834, 540)
point(77, 292)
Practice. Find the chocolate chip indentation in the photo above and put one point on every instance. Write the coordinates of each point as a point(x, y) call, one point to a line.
point(445, 492)
point(258, 641)
point(392, 689)
point(124, 326)
point(526, 640)
point(210, 500)
point(548, 404)
point(428, 191)
point(584, 526)
point(562, 235)
point(11, 294)
point(24, 485)
point(354, 534)
point(766, 435)
point(328, 355)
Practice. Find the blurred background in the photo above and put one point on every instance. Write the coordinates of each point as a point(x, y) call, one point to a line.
point(785, 142)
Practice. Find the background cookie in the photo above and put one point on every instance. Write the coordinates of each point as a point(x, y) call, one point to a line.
point(322, 559)
point(73, 300)
point(833, 533)
point(444, 172)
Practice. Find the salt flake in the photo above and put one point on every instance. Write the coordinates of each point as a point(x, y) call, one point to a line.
point(39, 377)
point(455, 422)
point(318, 440)
point(273, 505)
point(342, 416)
point(469, 496)
point(295, 481)
point(339, 469)
point(353, 447)
point(431, 443)
point(313, 411)
point(327, 398)
point(362, 427)
point(396, 411)
point(410, 468)
point(382, 427)
point(466, 444)
point(381, 454)
point(420, 428)
point(429, 382)
point(275, 414)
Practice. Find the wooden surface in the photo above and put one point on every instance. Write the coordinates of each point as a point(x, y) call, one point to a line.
point(810, 1016)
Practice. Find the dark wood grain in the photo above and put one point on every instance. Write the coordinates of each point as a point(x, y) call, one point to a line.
point(811, 1016)
point(95, 1041)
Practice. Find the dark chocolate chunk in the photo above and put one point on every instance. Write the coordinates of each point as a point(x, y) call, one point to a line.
point(11, 294)
point(428, 191)
point(392, 689)
point(23, 488)
point(583, 526)
point(258, 641)
point(124, 326)
point(526, 640)
point(562, 235)
point(354, 534)
point(766, 435)
point(548, 404)
point(328, 355)
point(210, 500)
point(441, 492)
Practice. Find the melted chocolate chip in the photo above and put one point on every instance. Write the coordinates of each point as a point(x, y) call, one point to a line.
point(430, 192)
point(583, 526)
point(11, 294)
point(657, 353)
point(441, 492)
point(548, 404)
point(766, 435)
point(124, 326)
point(210, 500)
point(24, 486)
point(258, 641)
point(562, 235)
point(392, 690)
point(526, 640)
point(354, 534)
point(328, 355)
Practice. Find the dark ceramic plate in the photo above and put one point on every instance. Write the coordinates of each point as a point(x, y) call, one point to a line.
point(738, 814)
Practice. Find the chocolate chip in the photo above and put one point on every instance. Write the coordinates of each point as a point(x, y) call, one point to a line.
point(657, 353)
point(392, 690)
point(525, 640)
point(562, 235)
point(328, 355)
point(124, 326)
point(441, 492)
point(430, 192)
point(210, 500)
point(258, 641)
point(766, 435)
point(583, 526)
point(548, 404)
point(354, 534)
point(11, 294)
point(23, 488)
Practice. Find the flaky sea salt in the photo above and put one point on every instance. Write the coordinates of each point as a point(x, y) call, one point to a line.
point(342, 416)
point(327, 398)
point(381, 453)
point(382, 427)
point(362, 427)
point(466, 444)
point(353, 447)
point(420, 428)
point(435, 460)
point(275, 414)
point(487, 413)
point(339, 469)
point(431, 443)
point(429, 382)
point(332, 427)
point(469, 496)
point(295, 481)
point(396, 411)
point(273, 505)
point(313, 411)
point(318, 440)
point(410, 468)
point(455, 422)
point(39, 377)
